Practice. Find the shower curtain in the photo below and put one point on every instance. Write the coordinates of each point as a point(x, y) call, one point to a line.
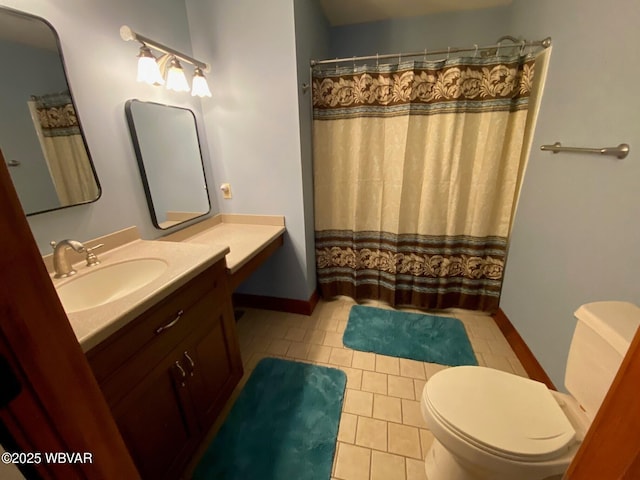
point(57, 127)
point(416, 171)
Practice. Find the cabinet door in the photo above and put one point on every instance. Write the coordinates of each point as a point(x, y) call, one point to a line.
point(157, 422)
point(215, 367)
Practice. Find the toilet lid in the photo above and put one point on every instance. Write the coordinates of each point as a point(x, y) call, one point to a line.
point(506, 414)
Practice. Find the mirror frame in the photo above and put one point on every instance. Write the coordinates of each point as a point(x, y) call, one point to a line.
point(143, 172)
point(75, 107)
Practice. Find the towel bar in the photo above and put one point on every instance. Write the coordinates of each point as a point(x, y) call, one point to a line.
point(621, 151)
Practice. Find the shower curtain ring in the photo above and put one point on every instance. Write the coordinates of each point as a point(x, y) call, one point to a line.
point(425, 54)
point(354, 62)
point(475, 54)
point(448, 52)
point(522, 47)
point(498, 49)
point(377, 60)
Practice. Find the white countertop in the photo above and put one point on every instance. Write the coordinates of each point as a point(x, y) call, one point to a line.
point(184, 261)
point(246, 235)
point(187, 252)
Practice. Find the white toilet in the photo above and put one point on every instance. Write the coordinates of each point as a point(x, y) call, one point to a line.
point(492, 425)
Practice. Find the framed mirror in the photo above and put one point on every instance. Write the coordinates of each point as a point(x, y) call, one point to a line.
point(40, 132)
point(165, 139)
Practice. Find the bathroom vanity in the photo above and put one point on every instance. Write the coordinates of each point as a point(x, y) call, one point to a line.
point(164, 351)
point(168, 373)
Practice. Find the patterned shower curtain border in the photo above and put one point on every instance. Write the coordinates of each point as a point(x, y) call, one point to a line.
point(430, 271)
point(56, 114)
point(462, 87)
point(499, 105)
point(425, 243)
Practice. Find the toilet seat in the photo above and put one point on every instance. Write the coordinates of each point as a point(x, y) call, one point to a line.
point(501, 413)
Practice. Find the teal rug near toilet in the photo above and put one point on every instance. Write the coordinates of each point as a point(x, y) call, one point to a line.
point(427, 338)
point(284, 425)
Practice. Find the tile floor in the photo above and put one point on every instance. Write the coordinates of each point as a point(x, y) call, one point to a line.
point(382, 434)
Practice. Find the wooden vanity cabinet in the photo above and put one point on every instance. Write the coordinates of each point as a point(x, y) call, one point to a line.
point(167, 374)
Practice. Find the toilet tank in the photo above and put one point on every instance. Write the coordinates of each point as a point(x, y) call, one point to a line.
point(600, 341)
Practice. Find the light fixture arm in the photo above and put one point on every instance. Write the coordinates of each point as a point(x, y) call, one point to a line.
point(127, 34)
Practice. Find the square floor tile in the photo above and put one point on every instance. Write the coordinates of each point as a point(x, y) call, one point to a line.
point(374, 382)
point(404, 440)
point(412, 368)
point(426, 439)
point(352, 462)
point(329, 324)
point(387, 408)
point(415, 469)
point(364, 360)
point(319, 353)
point(261, 344)
point(418, 386)
point(499, 362)
point(358, 402)
point(386, 466)
point(400, 387)
point(315, 336)
point(433, 368)
point(341, 356)
point(333, 339)
point(298, 350)
point(295, 334)
point(371, 433)
point(386, 364)
point(347, 428)
point(354, 377)
point(411, 414)
point(279, 347)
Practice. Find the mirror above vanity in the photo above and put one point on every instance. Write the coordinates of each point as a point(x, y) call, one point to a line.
point(165, 139)
point(40, 133)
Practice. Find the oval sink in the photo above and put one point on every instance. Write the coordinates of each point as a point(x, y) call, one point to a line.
point(108, 283)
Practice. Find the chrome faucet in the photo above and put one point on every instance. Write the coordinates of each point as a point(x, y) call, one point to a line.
point(61, 265)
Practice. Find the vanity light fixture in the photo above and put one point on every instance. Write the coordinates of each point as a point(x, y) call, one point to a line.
point(153, 71)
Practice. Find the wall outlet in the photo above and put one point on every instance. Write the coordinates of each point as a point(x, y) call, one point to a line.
point(226, 191)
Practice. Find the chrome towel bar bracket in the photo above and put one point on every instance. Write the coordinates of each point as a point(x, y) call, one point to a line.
point(621, 151)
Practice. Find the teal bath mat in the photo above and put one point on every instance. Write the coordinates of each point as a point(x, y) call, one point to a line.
point(284, 425)
point(427, 338)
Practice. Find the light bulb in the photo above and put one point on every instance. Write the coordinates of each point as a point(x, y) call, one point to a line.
point(148, 70)
point(199, 87)
point(175, 77)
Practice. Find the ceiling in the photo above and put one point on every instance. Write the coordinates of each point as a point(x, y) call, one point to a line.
point(23, 29)
point(345, 12)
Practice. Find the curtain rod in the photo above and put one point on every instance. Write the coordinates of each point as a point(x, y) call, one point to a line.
point(546, 43)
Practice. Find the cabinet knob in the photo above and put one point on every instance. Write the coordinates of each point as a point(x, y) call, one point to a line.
point(191, 363)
